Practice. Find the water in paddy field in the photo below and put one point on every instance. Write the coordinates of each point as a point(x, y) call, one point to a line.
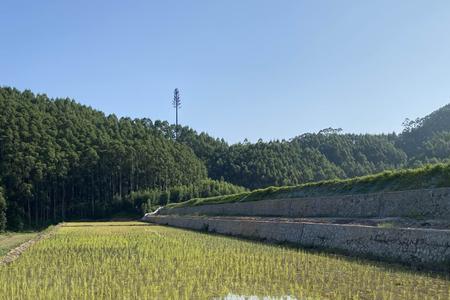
point(133, 260)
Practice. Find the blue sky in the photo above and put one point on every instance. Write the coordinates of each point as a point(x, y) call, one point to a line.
point(246, 69)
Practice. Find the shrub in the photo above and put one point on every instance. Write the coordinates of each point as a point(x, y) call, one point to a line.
point(425, 177)
point(148, 200)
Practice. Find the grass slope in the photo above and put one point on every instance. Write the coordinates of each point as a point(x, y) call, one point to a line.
point(11, 240)
point(430, 176)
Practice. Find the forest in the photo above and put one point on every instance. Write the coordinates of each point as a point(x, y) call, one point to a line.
point(328, 154)
point(60, 160)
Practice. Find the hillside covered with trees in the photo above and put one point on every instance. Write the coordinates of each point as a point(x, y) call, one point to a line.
point(328, 154)
point(59, 160)
point(62, 160)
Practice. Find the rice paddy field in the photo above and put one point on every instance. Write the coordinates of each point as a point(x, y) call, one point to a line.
point(133, 260)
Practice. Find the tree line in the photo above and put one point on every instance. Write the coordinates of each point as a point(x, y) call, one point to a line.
point(61, 160)
point(2, 211)
point(328, 154)
point(150, 199)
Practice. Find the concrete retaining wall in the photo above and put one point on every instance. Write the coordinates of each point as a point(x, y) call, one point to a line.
point(422, 247)
point(429, 204)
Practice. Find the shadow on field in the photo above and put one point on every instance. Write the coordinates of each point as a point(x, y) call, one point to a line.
point(107, 225)
point(337, 254)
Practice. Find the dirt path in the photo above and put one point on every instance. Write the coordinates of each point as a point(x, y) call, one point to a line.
point(13, 254)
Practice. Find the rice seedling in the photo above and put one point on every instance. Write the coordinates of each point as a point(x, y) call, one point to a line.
point(133, 260)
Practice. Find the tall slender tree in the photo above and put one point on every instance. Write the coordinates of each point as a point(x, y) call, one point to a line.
point(2, 211)
point(177, 105)
point(59, 160)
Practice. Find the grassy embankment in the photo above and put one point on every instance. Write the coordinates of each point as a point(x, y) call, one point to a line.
point(431, 176)
point(11, 240)
point(132, 260)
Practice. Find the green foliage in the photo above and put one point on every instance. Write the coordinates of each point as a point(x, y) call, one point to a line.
point(429, 176)
point(427, 138)
point(148, 200)
point(306, 158)
point(328, 154)
point(62, 160)
point(2, 210)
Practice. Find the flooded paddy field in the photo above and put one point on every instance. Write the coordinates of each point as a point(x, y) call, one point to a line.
point(133, 260)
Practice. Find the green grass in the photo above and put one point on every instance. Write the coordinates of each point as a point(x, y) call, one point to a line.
point(11, 240)
point(430, 176)
point(132, 260)
point(386, 225)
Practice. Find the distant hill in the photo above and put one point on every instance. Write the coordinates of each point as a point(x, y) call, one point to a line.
point(427, 139)
point(328, 154)
point(60, 159)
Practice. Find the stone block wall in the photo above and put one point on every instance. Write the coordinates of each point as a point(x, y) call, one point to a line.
point(421, 247)
point(426, 204)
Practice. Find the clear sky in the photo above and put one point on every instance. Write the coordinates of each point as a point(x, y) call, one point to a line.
point(245, 68)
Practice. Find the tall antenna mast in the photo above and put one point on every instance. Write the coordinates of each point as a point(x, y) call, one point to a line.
point(177, 104)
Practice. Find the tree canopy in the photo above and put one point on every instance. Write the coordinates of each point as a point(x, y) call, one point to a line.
point(328, 154)
point(60, 159)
